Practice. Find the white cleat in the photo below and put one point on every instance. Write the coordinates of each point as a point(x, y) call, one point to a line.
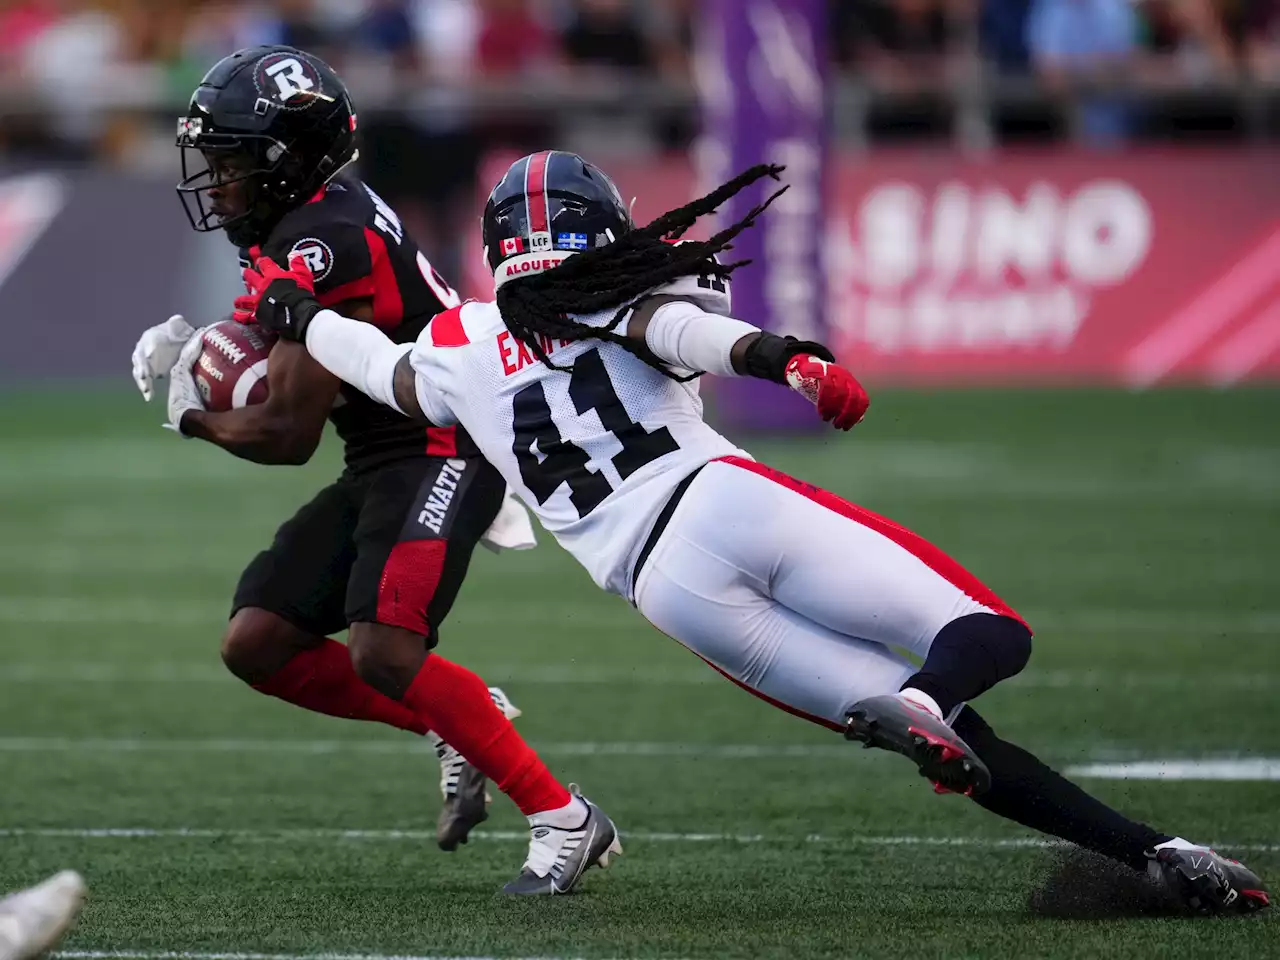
point(558, 857)
point(34, 920)
point(463, 787)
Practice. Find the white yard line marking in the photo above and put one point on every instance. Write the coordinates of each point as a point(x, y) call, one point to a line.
point(574, 674)
point(189, 955)
point(1142, 680)
point(166, 673)
point(1230, 769)
point(521, 836)
point(414, 745)
point(1106, 764)
point(74, 610)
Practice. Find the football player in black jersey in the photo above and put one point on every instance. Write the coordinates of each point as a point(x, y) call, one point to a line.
point(265, 144)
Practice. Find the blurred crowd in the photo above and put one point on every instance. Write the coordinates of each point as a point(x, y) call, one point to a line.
point(146, 52)
point(1157, 41)
point(1117, 69)
point(438, 82)
point(1038, 61)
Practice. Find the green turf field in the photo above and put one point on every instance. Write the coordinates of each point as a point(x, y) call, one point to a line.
point(1140, 535)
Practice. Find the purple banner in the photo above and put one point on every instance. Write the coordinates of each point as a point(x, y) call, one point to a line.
point(762, 76)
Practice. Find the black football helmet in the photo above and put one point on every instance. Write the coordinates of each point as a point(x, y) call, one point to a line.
point(292, 116)
point(549, 206)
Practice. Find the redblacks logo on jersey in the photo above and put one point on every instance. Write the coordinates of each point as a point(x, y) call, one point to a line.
point(317, 254)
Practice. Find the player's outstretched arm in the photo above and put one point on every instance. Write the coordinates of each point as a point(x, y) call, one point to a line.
point(362, 355)
point(684, 335)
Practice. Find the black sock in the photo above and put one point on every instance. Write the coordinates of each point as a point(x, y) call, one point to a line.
point(1026, 791)
point(970, 655)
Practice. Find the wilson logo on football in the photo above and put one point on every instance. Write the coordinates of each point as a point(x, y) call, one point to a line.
point(316, 254)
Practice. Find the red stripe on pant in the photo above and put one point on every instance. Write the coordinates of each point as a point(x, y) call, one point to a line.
point(820, 721)
point(785, 708)
point(409, 581)
point(934, 558)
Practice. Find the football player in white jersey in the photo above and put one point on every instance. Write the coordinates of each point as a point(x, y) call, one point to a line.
point(579, 386)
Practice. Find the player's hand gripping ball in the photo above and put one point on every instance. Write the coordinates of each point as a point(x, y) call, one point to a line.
point(231, 368)
point(836, 392)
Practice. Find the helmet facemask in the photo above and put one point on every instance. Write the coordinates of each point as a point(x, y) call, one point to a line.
point(247, 163)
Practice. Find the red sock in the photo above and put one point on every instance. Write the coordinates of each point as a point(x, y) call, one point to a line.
point(323, 680)
point(455, 703)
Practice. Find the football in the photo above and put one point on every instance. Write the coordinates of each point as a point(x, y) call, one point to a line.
point(231, 370)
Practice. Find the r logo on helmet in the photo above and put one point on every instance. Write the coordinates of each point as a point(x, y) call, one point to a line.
point(289, 80)
point(316, 254)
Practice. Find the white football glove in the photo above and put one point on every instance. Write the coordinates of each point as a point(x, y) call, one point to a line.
point(157, 351)
point(184, 395)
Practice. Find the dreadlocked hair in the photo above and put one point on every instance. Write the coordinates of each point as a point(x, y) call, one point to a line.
point(541, 307)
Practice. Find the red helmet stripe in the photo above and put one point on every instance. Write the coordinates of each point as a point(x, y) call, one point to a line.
point(537, 204)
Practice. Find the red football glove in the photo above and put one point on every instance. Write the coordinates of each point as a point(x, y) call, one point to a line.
point(259, 276)
point(244, 307)
point(835, 391)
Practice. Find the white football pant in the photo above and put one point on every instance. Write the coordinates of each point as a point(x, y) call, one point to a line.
point(797, 594)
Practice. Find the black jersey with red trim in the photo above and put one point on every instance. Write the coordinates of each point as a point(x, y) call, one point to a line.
point(356, 248)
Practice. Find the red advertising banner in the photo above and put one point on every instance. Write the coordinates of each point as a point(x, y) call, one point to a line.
point(1055, 266)
point(1059, 267)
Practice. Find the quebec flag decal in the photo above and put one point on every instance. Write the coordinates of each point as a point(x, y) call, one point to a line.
point(571, 241)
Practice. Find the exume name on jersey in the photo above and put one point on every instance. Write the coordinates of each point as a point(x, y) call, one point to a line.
point(516, 355)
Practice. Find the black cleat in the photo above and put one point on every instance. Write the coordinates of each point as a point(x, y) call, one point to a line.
point(464, 788)
point(1207, 882)
point(466, 800)
point(895, 723)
